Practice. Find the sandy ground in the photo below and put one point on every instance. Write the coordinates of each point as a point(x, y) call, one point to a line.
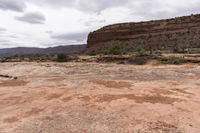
point(99, 98)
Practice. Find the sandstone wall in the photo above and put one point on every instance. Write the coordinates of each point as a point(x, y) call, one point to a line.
point(159, 34)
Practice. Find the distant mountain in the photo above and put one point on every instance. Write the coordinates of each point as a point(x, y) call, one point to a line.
point(34, 50)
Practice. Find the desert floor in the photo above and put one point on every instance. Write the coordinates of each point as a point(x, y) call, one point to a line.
point(99, 98)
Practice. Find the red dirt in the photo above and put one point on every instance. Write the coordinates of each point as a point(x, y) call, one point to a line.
point(90, 97)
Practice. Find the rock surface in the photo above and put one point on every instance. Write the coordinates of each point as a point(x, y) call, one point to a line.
point(99, 98)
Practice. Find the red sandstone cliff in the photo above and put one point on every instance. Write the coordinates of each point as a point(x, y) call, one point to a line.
point(159, 34)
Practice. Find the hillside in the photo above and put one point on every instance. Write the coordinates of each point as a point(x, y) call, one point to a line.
point(172, 34)
point(25, 51)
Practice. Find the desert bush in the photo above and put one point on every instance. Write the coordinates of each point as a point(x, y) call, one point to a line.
point(141, 53)
point(174, 60)
point(138, 60)
point(157, 53)
point(105, 59)
point(121, 62)
point(62, 58)
point(115, 50)
point(103, 52)
point(92, 53)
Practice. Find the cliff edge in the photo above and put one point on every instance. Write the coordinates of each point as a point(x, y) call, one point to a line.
point(180, 32)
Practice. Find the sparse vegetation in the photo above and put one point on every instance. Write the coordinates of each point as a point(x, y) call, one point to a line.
point(115, 50)
point(174, 60)
point(92, 53)
point(105, 59)
point(138, 60)
point(141, 53)
point(62, 58)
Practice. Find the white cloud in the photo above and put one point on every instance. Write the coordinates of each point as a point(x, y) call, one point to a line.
point(69, 21)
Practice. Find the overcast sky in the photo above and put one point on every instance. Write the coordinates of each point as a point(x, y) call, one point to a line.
point(46, 23)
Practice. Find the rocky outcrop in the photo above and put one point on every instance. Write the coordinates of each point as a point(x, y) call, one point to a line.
point(181, 32)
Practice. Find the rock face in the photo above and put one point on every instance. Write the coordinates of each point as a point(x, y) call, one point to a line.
point(177, 33)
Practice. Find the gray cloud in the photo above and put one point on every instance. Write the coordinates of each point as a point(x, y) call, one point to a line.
point(2, 29)
point(83, 5)
point(32, 18)
point(7, 45)
point(156, 9)
point(12, 36)
point(3, 41)
point(14, 5)
point(98, 6)
point(150, 9)
point(49, 32)
point(93, 21)
point(71, 37)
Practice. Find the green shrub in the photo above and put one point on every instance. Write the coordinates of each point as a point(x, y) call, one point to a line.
point(62, 58)
point(115, 50)
point(105, 52)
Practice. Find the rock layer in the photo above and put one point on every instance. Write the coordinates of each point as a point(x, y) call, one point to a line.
point(181, 32)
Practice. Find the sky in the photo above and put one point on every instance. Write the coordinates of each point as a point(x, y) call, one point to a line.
point(48, 23)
